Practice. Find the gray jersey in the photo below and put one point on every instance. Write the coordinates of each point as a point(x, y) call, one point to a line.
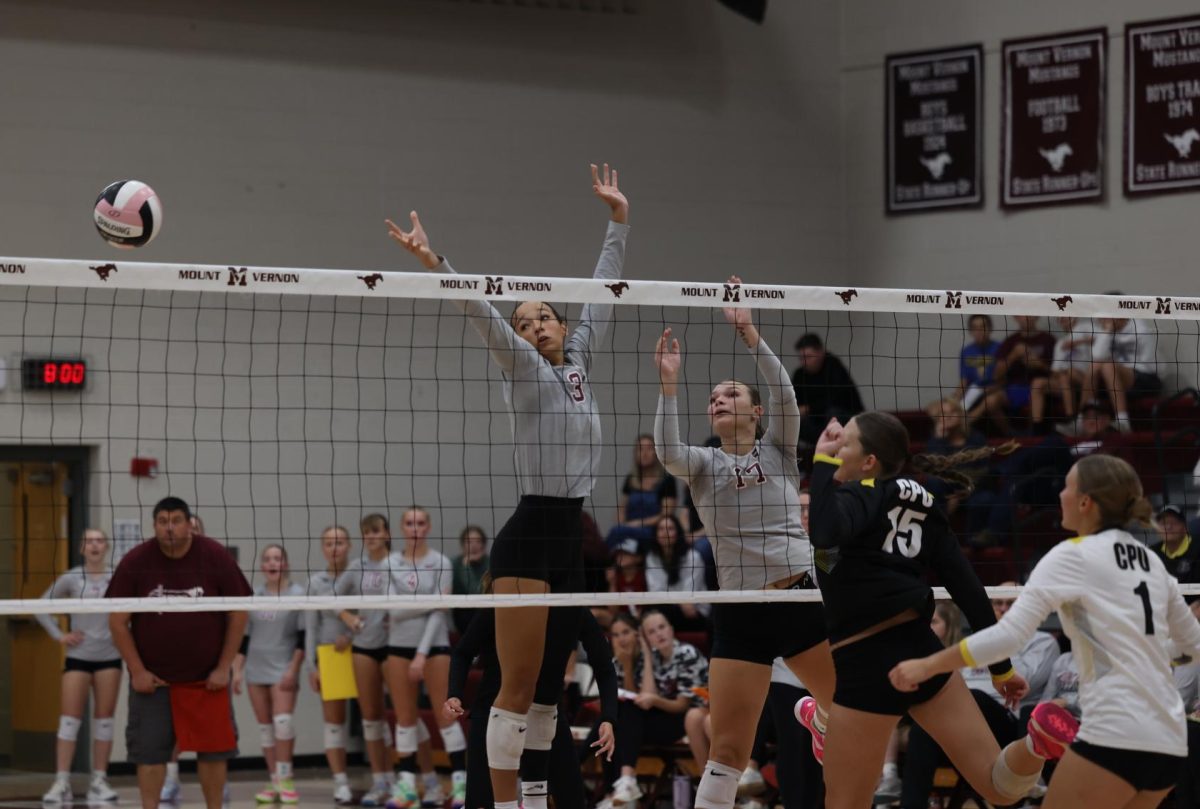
point(368, 578)
point(97, 641)
point(273, 637)
point(420, 629)
point(552, 410)
point(749, 504)
point(321, 626)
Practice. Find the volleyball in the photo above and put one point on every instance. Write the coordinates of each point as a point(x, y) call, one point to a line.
point(128, 214)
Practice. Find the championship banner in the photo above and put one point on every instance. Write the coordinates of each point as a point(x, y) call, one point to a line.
point(934, 129)
point(1052, 131)
point(1162, 106)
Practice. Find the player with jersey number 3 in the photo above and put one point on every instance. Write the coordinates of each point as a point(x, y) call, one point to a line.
point(557, 437)
point(1120, 607)
point(747, 496)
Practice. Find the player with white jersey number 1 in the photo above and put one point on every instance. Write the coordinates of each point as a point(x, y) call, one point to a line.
point(1120, 608)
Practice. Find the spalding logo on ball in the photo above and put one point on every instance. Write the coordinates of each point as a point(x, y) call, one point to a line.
point(128, 214)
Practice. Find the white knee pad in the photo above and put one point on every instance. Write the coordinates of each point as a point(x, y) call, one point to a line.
point(266, 734)
point(102, 729)
point(406, 739)
point(335, 736)
point(374, 730)
point(543, 723)
point(718, 786)
point(423, 733)
point(1010, 784)
point(68, 728)
point(453, 738)
point(284, 729)
point(505, 739)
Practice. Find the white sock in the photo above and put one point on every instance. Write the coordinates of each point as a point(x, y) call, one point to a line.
point(381, 777)
point(101, 774)
point(430, 780)
point(506, 805)
point(173, 770)
point(283, 769)
point(890, 769)
point(533, 794)
point(1122, 417)
point(62, 775)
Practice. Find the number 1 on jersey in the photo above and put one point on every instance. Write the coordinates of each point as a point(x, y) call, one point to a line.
point(1143, 590)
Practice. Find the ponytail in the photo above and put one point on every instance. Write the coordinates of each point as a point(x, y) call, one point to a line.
point(1115, 488)
point(945, 467)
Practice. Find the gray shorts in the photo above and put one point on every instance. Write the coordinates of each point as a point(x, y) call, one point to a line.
point(150, 729)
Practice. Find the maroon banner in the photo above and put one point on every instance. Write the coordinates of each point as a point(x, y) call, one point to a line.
point(934, 129)
point(1052, 130)
point(1162, 106)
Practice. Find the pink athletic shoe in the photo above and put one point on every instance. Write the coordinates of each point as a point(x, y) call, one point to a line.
point(1052, 728)
point(806, 713)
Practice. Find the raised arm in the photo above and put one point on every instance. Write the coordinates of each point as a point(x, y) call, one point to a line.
point(678, 458)
point(836, 513)
point(782, 408)
point(594, 320)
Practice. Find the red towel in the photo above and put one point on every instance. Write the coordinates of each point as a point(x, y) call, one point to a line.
point(203, 719)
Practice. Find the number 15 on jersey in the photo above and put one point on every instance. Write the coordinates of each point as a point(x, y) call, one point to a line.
point(905, 536)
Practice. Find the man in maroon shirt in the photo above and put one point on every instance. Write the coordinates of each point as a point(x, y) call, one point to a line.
point(1022, 374)
point(175, 647)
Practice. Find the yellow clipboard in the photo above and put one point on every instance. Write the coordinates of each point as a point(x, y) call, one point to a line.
point(337, 673)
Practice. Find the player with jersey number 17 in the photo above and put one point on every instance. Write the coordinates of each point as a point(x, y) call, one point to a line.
point(1120, 608)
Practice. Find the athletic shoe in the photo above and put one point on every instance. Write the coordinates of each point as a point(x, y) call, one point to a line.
point(59, 793)
point(626, 790)
point(888, 790)
point(99, 791)
point(806, 714)
point(458, 789)
point(434, 797)
point(268, 794)
point(404, 793)
point(1052, 728)
point(170, 791)
point(751, 783)
point(377, 795)
point(287, 792)
point(342, 795)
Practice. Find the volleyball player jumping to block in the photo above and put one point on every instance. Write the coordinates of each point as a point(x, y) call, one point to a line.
point(747, 496)
point(556, 432)
point(1119, 606)
point(876, 534)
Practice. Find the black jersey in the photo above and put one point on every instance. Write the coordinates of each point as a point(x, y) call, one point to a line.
point(875, 540)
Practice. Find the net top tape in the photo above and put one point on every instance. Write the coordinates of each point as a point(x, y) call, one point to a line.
point(134, 275)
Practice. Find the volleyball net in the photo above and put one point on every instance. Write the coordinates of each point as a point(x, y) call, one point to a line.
point(279, 401)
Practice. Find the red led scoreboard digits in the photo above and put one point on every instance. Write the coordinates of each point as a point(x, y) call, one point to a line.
point(53, 374)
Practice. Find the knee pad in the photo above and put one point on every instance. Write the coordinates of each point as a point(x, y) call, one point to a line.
point(284, 729)
point(68, 728)
point(102, 729)
point(718, 786)
point(406, 739)
point(266, 734)
point(335, 737)
point(374, 730)
point(453, 738)
point(423, 733)
point(505, 739)
point(543, 724)
point(1008, 783)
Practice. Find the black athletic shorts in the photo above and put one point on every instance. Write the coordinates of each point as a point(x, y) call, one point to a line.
point(90, 666)
point(1148, 772)
point(542, 540)
point(862, 669)
point(759, 632)
point(409, 652)
point(378, 655)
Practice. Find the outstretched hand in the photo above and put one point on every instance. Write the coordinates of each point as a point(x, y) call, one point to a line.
point(667, 358)
point(605, 187)
point(831, 439)
point(742, 319)
point(415, 241)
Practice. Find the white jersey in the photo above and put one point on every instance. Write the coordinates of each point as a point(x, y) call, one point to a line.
point(1072, 352)
point(420, 629)
point(749, 504)
point(1135, 345)
point(554, 417)
point(1120, 608)
point(274, 635)
point(97, 644)
point(367, 577)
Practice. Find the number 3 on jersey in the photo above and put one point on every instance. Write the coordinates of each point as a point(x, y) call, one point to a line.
point(575, 386)
point(905, 536)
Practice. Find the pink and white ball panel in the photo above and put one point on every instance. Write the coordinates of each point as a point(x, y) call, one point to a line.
point(128, 214)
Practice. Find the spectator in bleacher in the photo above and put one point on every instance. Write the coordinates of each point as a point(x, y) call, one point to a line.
point(468, 570)
point(1180, 555)
point(1023, 373)
point(1071, 367)
point(1062, 687)
point(951, 434)
point(824, 389)
point(628, 571)
point(1125, 363)
point(673, 567)
point(659, 676)
point(647, 493)
point(976, 367)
